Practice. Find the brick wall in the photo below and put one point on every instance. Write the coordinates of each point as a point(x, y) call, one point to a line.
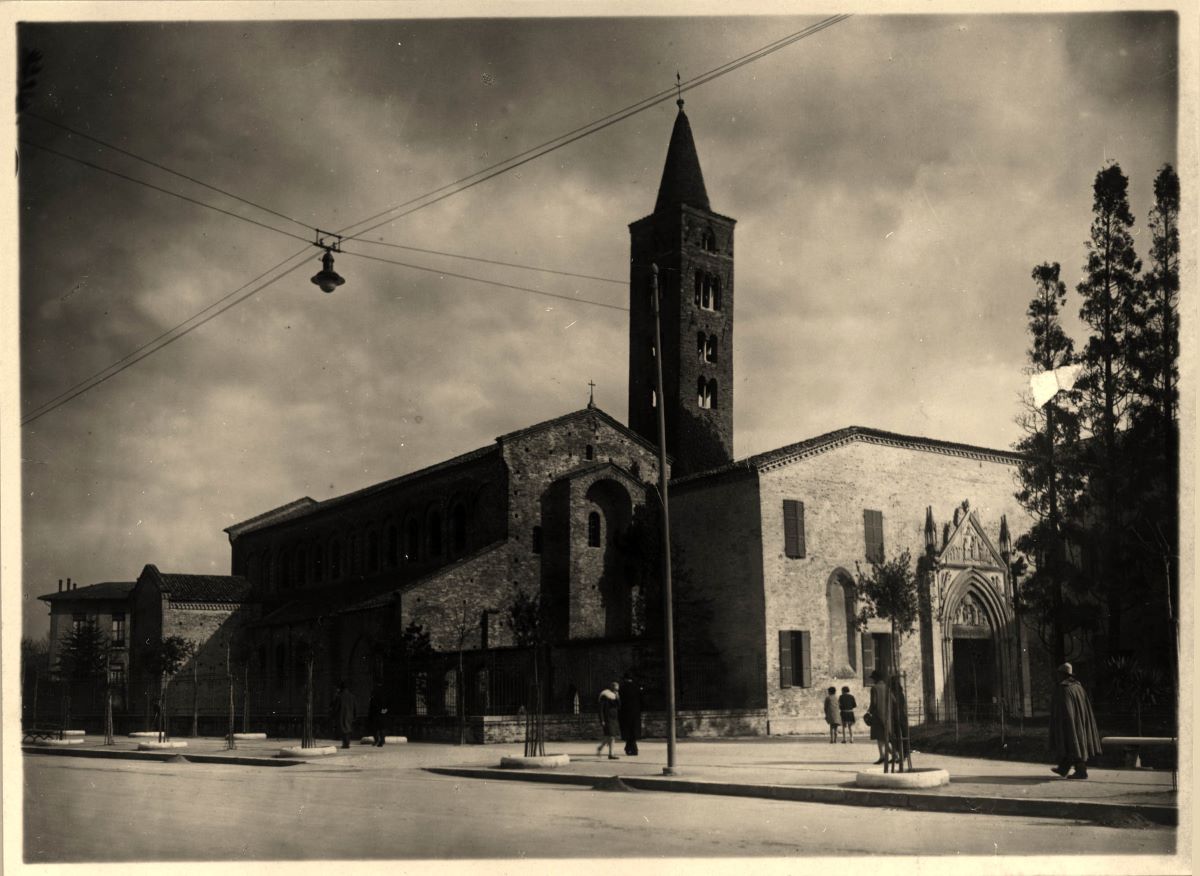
point(716, 526)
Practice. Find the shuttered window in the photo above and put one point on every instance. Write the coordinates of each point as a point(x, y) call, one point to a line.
point(795, 658)
point(873, 532)
point(793, 528)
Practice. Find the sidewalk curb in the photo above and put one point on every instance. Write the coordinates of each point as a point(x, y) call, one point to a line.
point(1079, 810)
point(165, 756)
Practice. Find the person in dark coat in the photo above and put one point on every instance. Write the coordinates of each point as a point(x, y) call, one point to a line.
point(344, 710)
point(897, 719)
point(610, 717)
point(1074, 736)
point(630, 711)
point(879, 710)
point(376, 709)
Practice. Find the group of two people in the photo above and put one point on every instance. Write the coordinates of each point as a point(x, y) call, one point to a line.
point(344, 710)
point(621, 714)
point(839, 712)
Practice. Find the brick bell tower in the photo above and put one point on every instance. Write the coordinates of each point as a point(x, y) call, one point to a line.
point(693, 248)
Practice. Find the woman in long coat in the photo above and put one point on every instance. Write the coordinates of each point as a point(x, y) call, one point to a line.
point(1074, 736)
point(880, 710)
point(610, 717)
point(344, 712)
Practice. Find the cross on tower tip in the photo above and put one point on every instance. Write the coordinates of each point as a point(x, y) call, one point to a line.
point(591, 394)
point(678, 91)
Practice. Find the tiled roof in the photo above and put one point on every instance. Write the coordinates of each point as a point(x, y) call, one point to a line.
point(828, 441)
point(682, 182)
point(103, 590)
point(199, 588)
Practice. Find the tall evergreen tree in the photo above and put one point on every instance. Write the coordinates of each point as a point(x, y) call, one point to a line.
point(1112, 297)
point(1154, 430)
point(1050, 475)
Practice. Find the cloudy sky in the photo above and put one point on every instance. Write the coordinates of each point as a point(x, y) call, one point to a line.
point(895, 179)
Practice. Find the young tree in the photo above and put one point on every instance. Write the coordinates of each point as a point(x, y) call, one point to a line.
point(1112, 297)
point(530, 627)
point(35, 663)
point(306, 651)
point(889, 592)
point(1049, 473)
point(164, 659)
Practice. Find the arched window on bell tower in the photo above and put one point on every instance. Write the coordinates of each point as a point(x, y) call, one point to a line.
point(701, 346)
point(710, 349)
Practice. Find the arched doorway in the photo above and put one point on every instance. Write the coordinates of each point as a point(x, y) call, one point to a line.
point(975, 649)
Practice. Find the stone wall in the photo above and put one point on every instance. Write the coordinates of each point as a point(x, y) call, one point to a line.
point(836, 486)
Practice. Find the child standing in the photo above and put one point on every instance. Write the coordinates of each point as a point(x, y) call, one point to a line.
point(847, 705)
point(831, 713)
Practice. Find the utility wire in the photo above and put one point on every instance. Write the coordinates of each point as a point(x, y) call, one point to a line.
point(160, 189)
point(147, 352)
point(163, 167)
point(363, 255)
point(456, 255)
point(37, 411)
point(492, 171)
point(593, 127)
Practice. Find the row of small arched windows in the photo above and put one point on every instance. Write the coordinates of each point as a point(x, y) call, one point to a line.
point(708, 291)
point(706, 393)
point(706, 347)
point(342, 556)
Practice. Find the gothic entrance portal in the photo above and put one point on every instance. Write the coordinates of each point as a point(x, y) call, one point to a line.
point(974, 678)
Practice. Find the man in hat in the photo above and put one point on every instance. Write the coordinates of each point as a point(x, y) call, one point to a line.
point(1074, 736)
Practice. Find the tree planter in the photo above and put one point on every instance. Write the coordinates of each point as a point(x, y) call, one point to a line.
point(240, 736)
point(144, 734)
point(69, 740)
point(387, 740)
point(162, 746)
point(544, 761)
point(317, 751)
point(913, 779)
point(74, 733)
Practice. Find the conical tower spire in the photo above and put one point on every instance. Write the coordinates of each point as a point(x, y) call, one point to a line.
point(682, 181)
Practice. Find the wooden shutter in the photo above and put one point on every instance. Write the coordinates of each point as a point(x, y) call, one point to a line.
point(793, 528)
point(873, 535)
point(785, 658)
point(868, 654)
point(803, 646)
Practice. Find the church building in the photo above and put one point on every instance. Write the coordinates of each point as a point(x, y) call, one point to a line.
point(766, 547)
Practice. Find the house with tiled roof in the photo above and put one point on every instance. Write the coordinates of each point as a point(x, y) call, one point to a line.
point(107, 605)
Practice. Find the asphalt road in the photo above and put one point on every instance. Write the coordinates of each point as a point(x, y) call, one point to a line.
point(80, 810)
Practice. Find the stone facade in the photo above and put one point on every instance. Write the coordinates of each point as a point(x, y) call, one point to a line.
point(838, 477)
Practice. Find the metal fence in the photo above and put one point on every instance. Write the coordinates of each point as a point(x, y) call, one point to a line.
point(498, 682)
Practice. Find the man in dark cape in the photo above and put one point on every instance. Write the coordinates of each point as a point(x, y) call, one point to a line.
point(630, 714)
point(1074, 736)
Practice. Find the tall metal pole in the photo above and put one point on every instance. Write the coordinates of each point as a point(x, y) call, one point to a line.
point(668, 612)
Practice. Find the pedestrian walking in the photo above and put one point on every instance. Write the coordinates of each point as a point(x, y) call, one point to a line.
point(630, 713)
point(833, 715)
point(344, 710)
point(846, 706)
point(1074, 736)
point(376, 709)
point(878, 711)
point(610, 717)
